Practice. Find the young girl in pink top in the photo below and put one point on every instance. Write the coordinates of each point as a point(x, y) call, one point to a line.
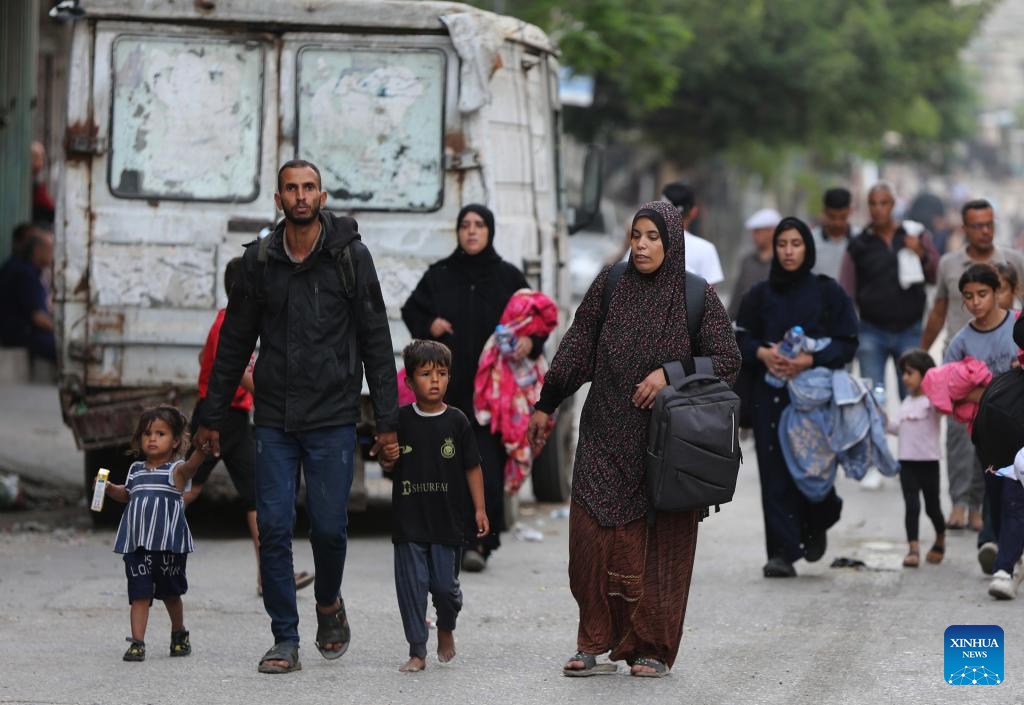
point(916, 424)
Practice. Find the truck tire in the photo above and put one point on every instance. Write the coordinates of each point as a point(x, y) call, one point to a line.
point(552, 469)
point(114, 459)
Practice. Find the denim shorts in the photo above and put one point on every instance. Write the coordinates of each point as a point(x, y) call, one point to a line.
point(155, 574)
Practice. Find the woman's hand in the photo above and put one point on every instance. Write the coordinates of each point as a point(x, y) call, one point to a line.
point(440, 326)
point(646, 391)
point(537, 432)
point(793, 366)
point(524, 346)
point(773, 360)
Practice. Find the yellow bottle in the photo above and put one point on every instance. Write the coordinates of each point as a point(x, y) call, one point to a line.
point(100, 490)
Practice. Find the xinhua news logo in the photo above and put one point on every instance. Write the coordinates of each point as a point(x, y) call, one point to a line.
point(974, 654)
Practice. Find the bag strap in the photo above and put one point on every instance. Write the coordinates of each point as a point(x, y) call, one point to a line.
point(695, 286)
point(342, 259)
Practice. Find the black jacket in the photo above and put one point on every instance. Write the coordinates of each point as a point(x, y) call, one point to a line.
point(314, 342)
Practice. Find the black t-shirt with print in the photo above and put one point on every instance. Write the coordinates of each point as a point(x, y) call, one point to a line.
point(429, 500)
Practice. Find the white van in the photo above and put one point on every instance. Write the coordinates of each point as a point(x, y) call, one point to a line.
point(178, 115)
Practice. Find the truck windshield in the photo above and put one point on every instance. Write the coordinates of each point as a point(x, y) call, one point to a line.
point(185, 122)
point(374, 122)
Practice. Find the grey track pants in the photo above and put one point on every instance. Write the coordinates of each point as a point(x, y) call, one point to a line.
point(423, 567)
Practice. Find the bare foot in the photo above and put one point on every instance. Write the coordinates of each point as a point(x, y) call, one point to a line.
point(445, 645)
point(414, 664)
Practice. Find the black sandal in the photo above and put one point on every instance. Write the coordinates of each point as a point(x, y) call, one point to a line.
point(135, 652)
point(590, 666)
point(660, 669)
point(287, 651)
point(332, 628)
point(180, 645)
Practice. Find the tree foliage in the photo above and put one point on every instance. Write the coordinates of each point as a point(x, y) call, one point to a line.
point(702, 77)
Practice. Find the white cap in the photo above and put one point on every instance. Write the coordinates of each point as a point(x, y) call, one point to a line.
point(1018, 465)
point(764, 218)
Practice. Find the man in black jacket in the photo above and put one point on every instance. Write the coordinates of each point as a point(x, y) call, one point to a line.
point(310, 294)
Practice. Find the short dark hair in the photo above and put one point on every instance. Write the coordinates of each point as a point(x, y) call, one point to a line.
point(977, 204)
point(1008, 272)
point(20, 237)
point(681, 196)
point(837, 198)
point(425, 352)
point(979, 274)
point(915, 359)
point(233, 273)
point(170, 415)
point(297, 164)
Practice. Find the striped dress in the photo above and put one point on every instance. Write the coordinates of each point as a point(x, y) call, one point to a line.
point(155, 516)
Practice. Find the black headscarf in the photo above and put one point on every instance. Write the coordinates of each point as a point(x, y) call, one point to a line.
point(475, 268)
point(778, 277)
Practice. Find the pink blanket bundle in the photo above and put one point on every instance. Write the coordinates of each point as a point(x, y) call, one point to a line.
point(498, 400)
point(946, 386)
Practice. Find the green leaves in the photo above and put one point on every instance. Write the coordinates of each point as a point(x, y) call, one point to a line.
point(699, 77)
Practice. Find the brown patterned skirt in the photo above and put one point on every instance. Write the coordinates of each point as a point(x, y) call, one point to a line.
point(631, 583)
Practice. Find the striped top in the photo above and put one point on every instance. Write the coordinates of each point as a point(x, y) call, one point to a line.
point(155, 516)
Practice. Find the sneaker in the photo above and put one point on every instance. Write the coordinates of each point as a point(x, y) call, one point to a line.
point(473, 561)
point(779, 568)
point(815, 545)
point(987, 553)
point(872, 480)
point(1003, 586)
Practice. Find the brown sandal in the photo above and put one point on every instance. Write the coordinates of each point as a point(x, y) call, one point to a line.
point(935, 554)
point(911, 560)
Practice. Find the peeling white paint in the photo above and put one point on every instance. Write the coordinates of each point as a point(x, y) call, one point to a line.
point(186, 118)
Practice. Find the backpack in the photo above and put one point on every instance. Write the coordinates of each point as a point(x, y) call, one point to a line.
point(999, 424)
point(342, 258)
point(346, 275)
point(693, 450)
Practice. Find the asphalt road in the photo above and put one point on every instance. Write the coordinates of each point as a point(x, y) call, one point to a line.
point(829, 636)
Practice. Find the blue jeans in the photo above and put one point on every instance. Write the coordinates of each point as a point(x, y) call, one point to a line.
point(875, 346)
point(325, 456)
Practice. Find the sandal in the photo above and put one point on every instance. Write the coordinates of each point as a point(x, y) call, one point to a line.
point(135, 652)
point(935, 554)
point(303, 579)
point(287, 651)
point(660, 669)
point(332, 628)
point(590, 666)
point(911, 560)
point(180, 645)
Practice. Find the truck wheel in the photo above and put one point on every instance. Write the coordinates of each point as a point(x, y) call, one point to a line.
point(552, 469)
point(114, 459)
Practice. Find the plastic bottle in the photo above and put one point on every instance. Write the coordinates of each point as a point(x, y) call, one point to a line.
point(100, 490)
point(878, 392)
point(791, 346)
point(522, 370)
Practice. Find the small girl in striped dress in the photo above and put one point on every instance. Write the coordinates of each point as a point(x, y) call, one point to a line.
point(153, 535)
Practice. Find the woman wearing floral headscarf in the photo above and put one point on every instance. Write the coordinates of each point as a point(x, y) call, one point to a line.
point(630, 581)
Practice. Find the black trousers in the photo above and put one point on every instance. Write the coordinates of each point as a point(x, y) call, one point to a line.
point(921, 477)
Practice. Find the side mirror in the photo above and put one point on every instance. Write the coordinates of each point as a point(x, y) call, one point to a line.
point(593, 164)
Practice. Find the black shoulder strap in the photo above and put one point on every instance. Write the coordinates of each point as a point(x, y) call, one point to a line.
point(695, 286)
point(342, 257)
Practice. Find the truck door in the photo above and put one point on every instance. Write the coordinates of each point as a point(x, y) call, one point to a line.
point(184, 177)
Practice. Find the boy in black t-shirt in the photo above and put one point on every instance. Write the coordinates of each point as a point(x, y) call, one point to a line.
point(436, 457)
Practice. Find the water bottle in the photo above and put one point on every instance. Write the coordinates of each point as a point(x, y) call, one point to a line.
point(878, 392)
point(791, 346)
point(522, 370)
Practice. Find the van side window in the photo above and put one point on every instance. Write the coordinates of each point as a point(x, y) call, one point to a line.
point(186, 119)
point(374, 122)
